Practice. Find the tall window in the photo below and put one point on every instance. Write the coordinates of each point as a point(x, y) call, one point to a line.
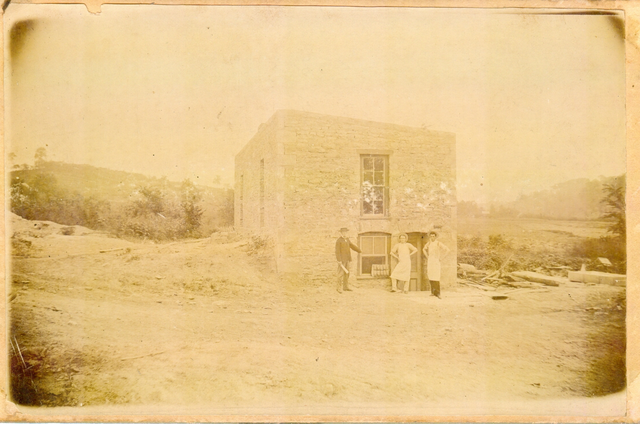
point(375, 184)
point(374, 259)
point(262, 193)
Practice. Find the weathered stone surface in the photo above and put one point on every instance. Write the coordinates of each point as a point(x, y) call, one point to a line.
point(312, 186)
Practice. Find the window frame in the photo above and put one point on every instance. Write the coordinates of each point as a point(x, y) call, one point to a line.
point(361, 256)
point(384, 186)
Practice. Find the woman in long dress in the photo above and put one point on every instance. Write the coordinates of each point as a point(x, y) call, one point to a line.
point(434, 250)
point(402, 272)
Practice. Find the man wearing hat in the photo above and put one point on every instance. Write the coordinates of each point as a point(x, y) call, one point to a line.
point(343, 256)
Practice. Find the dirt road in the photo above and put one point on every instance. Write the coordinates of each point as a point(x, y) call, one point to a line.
point(206, 324)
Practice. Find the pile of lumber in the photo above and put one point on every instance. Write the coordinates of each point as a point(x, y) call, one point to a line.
point(490, 280)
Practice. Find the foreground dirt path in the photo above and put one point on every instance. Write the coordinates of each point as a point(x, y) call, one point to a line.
point(206, 323)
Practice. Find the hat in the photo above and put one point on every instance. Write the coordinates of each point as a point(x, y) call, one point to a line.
point(344, 229)
point(434, 233)
point(403, 234)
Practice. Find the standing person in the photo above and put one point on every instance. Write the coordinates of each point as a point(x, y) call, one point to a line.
point(343, 256)
point(434, 250)
point(402, 272)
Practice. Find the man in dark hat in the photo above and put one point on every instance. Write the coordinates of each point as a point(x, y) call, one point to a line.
point(343, 256)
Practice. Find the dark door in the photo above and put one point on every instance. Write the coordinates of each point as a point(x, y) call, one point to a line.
point(416, 239)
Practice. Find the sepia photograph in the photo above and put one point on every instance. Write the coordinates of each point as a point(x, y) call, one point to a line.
point(319, 211)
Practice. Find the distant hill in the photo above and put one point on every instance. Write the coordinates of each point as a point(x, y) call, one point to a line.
point(573, 199)
point(578, 199)
point(119, 188)
point(90, 181)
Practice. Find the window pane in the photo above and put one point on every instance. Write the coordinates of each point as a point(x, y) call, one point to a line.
point(379, 164)
point(367, 207)
point(374, 176)
point(366, 245)
point(380, 245)
point(378, 207)
point(367, 261)
point(378, 178)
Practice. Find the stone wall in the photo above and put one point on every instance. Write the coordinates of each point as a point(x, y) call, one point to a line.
point(314, 186)
point(258, 160)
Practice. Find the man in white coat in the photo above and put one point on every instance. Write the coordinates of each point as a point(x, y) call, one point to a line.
point(434, 250)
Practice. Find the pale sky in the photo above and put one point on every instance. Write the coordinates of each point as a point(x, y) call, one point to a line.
point(534, 99)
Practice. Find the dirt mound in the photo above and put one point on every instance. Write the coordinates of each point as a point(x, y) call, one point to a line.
point(50, 240)
point(36, 229)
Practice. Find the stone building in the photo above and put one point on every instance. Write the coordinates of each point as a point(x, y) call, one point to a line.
point(303, 176)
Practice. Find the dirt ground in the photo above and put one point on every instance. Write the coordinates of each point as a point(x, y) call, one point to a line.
point(98, 321)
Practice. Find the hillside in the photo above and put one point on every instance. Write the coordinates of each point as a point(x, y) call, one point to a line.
point(110, 190)
point(574, 199)
point(90, 181)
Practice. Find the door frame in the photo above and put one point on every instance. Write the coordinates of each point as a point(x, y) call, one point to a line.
point(417, 239)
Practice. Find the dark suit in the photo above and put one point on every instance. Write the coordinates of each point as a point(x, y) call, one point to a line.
point(343, 256)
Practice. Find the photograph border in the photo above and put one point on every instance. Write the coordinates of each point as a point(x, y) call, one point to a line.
point(10, 412)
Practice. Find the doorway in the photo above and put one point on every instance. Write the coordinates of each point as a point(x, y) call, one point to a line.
point(418, 281)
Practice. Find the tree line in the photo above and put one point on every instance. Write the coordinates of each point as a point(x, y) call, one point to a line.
point(611, 205)
point(153, 209)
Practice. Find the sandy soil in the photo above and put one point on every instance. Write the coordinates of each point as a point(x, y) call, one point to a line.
point(207, 323)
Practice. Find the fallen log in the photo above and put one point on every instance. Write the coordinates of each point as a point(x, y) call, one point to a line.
point(477, 272)
point(513, 278)
point(598, 277)
point(526, 284)
point(536, 277)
